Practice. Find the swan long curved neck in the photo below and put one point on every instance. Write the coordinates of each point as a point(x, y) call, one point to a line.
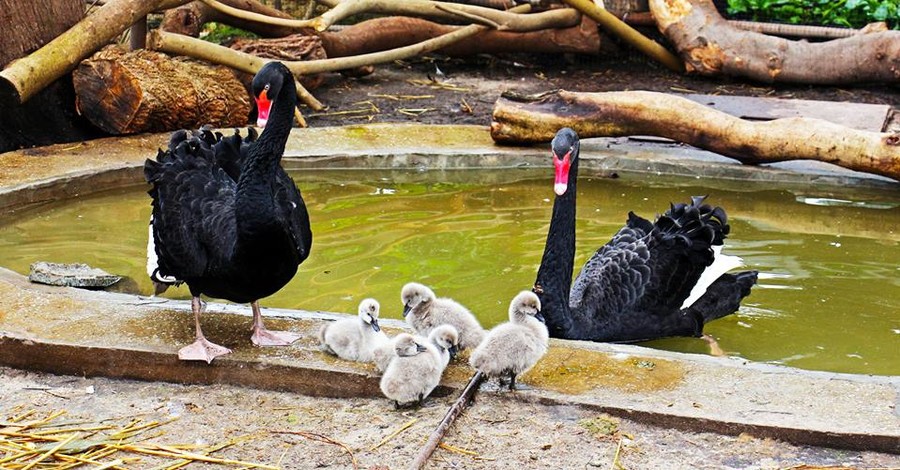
point(554, 278)
point(254, 191)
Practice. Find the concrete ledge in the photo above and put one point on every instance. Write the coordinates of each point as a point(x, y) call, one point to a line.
point(71, 331)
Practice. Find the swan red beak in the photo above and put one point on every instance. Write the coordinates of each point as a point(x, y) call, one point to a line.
point(561, 166)
point(263, 106)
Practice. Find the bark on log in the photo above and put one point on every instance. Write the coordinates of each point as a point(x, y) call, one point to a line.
point(50, 117)
point(189, 19)
point(710, 46)
point(144, 91)
point(393, 32)
point(518, 120)
point(296, 47)
point(28, 75)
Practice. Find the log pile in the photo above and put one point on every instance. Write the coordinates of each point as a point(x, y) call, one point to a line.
point(126, 93)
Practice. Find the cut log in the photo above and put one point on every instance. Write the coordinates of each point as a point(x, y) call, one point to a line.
point(709, 45)
point(521, 120)
point(144, 91)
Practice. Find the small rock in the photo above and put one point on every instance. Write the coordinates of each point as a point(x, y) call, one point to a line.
point(71, 275)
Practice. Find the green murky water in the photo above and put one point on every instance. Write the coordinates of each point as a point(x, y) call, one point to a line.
point(829, 298)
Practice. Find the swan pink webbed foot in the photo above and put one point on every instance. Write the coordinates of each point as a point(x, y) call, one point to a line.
point(263, 337)
point(202, 350)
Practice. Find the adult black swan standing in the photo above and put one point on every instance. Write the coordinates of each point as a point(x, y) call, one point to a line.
point(227, 220)
point(648, 282)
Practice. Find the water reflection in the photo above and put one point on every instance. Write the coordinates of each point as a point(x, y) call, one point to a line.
point(828, 298)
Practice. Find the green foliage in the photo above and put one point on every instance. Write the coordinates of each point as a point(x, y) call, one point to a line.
point(223, 34)
point(847, 13)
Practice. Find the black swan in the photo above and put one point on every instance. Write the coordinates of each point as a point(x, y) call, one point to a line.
point(227, 220)
point(646, 282)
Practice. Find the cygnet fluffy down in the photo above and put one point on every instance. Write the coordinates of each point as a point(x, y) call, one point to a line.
point(445, 338)
point(354, 339)
point(413, 373)
point(511, 348)
point(424, 312)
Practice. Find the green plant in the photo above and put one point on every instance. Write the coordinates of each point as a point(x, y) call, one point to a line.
point(847, 13)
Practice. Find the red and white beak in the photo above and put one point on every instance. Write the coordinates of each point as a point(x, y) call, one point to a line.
point(263, 106)
point(561, 167)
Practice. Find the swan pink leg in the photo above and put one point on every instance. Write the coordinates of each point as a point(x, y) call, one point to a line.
point(201, 349)
point(714, 348)
point(263, 337)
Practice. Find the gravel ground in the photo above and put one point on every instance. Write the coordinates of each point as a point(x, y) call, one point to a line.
point(498, 431)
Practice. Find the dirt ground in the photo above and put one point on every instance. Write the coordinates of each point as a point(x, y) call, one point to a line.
point(293, 431)
point(442, 90)
point(499, 431)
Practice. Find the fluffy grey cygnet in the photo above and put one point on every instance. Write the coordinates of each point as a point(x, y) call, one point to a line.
point(354, 339)
point(413, 373)
point(445, 338)
point(511, 348)
point(424, 312)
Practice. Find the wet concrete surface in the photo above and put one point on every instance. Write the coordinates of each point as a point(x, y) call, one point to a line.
point(88, 333)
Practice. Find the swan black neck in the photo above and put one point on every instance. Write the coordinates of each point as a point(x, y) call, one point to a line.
point(255, 189)
point(554, 278)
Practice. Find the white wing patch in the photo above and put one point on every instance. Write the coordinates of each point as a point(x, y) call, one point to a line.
point(153, 261)
point(721, 264)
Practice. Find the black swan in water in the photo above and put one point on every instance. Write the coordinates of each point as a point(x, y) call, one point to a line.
point(646, 282)
point(227, 220)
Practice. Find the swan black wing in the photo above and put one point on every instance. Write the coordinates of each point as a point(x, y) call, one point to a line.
point(616, 277)
point(193, 209)
point(292, 211)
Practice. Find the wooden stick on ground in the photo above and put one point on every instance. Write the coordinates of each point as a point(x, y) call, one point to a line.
point(617, 114)
point(435, 439)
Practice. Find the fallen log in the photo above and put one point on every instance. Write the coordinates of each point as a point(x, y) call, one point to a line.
point(296, 47)
point(709, 45)
point(145, 91)
point(392, 32)
point(523, 120)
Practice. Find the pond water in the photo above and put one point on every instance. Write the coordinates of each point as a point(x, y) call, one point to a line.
point(828, 298)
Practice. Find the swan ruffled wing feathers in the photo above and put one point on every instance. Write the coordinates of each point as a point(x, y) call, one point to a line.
point(721, 265)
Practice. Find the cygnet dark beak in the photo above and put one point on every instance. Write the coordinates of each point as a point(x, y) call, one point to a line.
point(453, 351)
point(540, 317)
point(406, 309)
point(375, 325)
point(420, 348)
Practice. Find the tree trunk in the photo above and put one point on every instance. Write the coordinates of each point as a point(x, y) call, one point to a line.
point(144, 91)
point(50, 117)
point(710, 46)
point(393, 32)
point(616, 114)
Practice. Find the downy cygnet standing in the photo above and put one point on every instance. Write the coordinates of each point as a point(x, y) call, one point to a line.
point(512, 348)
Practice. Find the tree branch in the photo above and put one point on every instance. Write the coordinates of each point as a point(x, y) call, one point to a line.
point(559, 18)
